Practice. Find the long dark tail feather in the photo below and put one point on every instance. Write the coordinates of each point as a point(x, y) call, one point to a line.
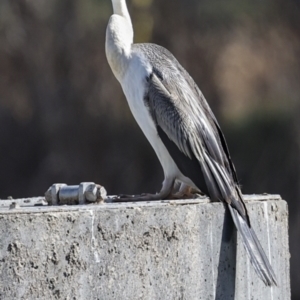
point(254, 249)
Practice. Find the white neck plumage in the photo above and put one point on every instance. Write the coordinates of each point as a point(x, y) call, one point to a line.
point(119, 38)
point(120, 8)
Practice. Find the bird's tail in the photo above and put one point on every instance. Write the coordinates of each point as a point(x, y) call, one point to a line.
point(254, 249)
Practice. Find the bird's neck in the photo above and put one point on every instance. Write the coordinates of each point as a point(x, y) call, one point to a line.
point(119, 39)
point(120, 8)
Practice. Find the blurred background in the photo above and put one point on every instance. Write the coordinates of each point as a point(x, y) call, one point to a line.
point(63, 117)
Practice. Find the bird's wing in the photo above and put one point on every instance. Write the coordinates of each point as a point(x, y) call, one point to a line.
point(191, 133)
point(184, 119)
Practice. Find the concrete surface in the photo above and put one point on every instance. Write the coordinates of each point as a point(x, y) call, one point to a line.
point(160, 250)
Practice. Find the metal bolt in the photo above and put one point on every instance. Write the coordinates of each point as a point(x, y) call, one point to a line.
point(86, 192)
point(82, 188)
point(95, 193)
point(51, 194)
point(68, 195)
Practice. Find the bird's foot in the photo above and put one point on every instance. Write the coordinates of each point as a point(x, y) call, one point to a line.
point(163, 194)
point(186, 192)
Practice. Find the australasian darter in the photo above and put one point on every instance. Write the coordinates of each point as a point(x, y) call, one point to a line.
point(179, 124)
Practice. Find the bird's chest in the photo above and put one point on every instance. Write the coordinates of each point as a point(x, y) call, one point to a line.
point(134, 87)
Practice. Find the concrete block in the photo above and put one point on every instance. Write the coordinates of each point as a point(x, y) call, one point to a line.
point(183, 249)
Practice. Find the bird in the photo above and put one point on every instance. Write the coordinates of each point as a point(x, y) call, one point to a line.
point(179, 124)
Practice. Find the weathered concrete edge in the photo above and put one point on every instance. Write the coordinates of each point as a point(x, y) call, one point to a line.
point(117, 205)
point(78, 240)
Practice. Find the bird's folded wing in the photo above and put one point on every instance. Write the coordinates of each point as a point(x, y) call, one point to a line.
point(182, 115)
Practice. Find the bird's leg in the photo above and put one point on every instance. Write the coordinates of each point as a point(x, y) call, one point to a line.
point(163, 194)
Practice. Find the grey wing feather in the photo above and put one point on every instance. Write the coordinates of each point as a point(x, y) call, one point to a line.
point(254, 249)
point(179, 108)
point(181, 113)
